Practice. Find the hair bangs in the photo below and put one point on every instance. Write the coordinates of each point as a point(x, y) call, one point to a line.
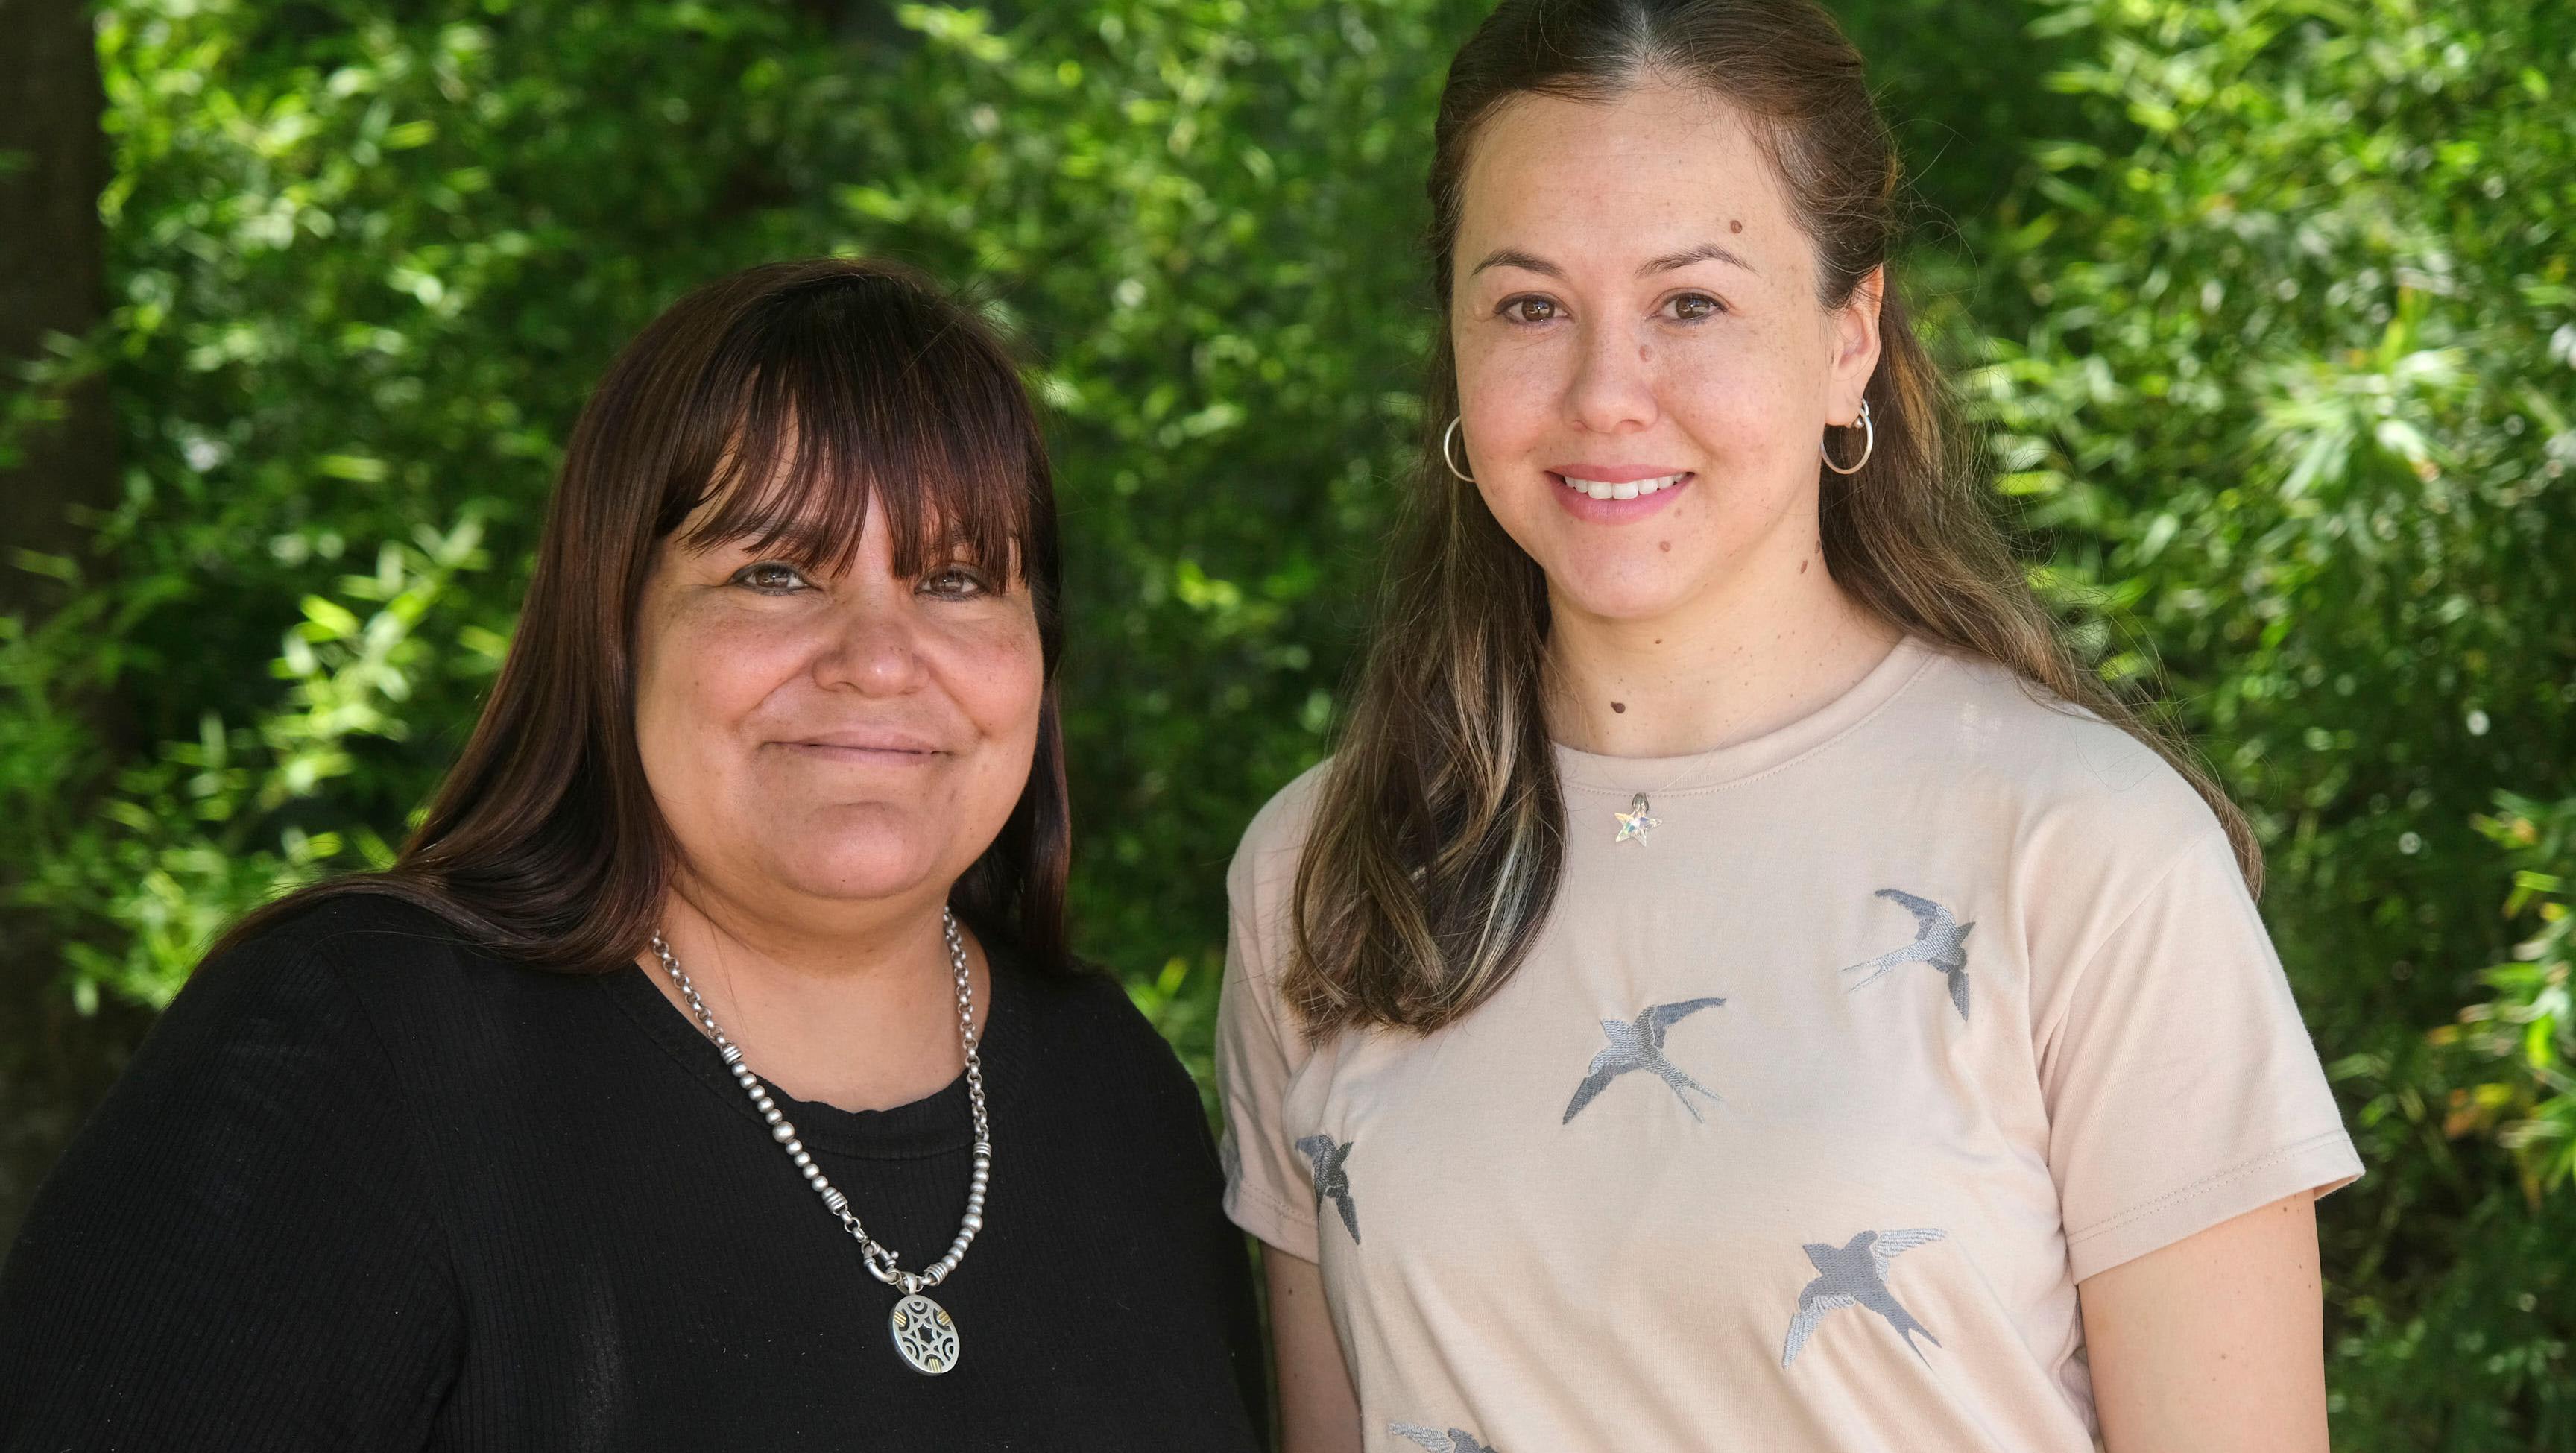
point(850, 391)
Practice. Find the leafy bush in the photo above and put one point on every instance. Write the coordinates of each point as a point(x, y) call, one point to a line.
point(2280, 378)
point(2528, 1029)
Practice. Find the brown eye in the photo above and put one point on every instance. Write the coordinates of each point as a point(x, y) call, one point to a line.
point(1529, 309)
point(955, 582)
point(1692, 307)
point(770, 577)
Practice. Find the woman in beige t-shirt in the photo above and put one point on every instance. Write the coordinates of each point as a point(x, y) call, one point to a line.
point(1742, 983)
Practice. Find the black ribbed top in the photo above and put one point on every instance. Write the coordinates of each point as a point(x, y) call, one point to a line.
point(368, 1187)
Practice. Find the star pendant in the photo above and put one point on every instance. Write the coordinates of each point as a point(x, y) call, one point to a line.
point(1635, 823)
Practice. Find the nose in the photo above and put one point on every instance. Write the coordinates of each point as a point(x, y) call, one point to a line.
point(874, 652)
point(1613, 387)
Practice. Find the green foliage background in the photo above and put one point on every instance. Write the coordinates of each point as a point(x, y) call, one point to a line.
point(2265, 304)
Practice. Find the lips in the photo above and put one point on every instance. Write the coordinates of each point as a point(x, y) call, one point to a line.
point(869, 743)
point(1624, 496)
point(1620, 488)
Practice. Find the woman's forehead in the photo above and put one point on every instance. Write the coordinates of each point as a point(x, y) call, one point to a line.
point(1654, 172)
point(814, 497)
point(833, 546)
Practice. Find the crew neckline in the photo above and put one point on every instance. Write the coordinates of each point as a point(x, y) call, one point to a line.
point(939, 1123)
point(1695, 772)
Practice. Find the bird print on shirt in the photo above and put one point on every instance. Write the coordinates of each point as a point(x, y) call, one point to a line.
point(1940, 940)
point(1639, 1045)
point(1453, 1441)
point(1332, 1182)
point(1856, 1272)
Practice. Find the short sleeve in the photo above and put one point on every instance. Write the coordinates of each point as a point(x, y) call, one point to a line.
point(234, 1252)
point(1258, 1053)
point(2182, 1088)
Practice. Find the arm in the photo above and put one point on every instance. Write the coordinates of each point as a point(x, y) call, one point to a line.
point(2213, 1344)
point(1318, 1413)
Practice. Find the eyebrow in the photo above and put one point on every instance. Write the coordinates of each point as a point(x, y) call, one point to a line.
point(1705, 252)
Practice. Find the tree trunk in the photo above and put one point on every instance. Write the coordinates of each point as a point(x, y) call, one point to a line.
point(53, 162)
point(54, 1063)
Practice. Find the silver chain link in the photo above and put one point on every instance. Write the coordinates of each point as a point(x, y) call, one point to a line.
point(881, 1260)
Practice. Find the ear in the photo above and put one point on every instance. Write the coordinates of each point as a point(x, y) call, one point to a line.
point(1855, 333)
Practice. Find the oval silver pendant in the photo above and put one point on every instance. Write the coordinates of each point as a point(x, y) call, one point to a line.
point(924, 1333)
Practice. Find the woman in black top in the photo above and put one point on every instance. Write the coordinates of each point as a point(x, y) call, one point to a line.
point(626, 1111)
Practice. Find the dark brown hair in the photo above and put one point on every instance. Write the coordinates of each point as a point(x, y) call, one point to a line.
point(1438, 834)
point(790, 395)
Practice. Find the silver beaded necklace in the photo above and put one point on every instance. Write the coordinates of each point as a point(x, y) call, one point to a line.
point(924, 1334)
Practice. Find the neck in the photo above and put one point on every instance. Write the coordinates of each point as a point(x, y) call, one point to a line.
point(847, 942)
point(1761, 648)
point(856, 1009)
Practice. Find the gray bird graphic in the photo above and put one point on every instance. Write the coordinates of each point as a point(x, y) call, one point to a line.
point(1939, 940)
point(1331, 1180)
point(1856, 1271)
point(1453, 1441)
point(1639, 1045)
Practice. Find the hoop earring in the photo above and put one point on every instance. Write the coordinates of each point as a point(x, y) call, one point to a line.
point(1867, 448)
point(1444, 452)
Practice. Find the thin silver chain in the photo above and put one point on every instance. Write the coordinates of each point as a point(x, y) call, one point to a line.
point(880, 1258)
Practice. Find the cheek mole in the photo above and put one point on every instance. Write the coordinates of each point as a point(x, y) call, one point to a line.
point(1735, 226)
point(1645, 351)
point(1664, 545)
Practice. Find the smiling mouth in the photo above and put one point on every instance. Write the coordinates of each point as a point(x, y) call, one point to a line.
point(864, 750)
point(1625, 489)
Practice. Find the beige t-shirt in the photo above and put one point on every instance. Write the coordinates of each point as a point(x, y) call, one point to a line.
point(1810, 1106)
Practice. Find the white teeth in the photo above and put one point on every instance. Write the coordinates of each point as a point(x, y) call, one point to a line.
point(1599, 490)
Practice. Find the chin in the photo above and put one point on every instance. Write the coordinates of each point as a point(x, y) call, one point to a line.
point(1619, 589)
point(859, 874)
point(859, 852)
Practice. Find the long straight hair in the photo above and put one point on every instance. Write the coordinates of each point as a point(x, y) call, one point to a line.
point(1438, 837)
point(790, 395)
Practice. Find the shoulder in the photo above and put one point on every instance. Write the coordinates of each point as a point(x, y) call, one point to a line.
point(1090, 1037)
point(352, 923)
point(1261, 886)
point(371, 982)
point(298, 958)
point(354, 947)
point(354, 918)
point(2074, 824)
point(2006, 750)
point(254, 1171)
point(266, 1066)
point(1083, 999)
point(1265, 861)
